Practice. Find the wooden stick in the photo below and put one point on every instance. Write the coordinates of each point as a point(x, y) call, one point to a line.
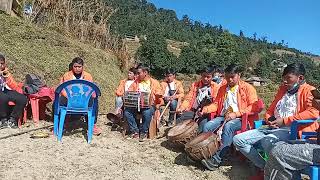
point(168, 104)
point(24, 132)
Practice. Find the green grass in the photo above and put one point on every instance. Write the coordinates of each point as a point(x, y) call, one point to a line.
point(31, 49)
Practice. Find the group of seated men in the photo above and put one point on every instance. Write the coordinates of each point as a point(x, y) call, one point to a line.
point(222, 97)
point(219, 97)
point(11, 91)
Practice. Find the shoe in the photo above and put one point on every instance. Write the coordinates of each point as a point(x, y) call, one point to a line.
point(210, 164)
point(12, 123)
point(142, 137)
point(133, 136)
point(3, 123)
point(96, 131)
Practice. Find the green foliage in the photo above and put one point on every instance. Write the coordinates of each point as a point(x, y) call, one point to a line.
point(154, 53)
point(30, 49)
point(208, 44)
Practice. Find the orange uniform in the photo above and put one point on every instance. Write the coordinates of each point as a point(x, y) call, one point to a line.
point(70, 76)
point(192, 94)
point(304, 107)
point(178, 86)
point(155, 87)
point(246, 99)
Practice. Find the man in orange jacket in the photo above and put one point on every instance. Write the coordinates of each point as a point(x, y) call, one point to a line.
point(172, 92)
point(149, 87)
point(201, 93)
point(8, 92)
point(122, 88)
point(77, 72)
point(233, 100)
point(293, 101)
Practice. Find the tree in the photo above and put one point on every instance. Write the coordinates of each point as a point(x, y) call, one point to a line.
point(241, 33)
point(154, 54)
point(226, 47)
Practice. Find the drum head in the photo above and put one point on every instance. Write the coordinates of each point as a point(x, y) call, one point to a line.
point(202, 140)
point(180, 128)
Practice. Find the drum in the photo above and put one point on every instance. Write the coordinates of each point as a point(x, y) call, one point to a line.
point(203, 146)
point(183, 132)
point(134, 99)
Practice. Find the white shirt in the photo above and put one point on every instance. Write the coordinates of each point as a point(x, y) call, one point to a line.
point(204, 92)
point(3, 84)
point(231, 100)
point(287, 106)
point(128, 84)
point(167, 90)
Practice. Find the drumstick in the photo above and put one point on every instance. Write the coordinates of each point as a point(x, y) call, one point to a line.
point(167, 105)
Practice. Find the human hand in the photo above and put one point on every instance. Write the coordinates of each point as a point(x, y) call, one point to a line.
point(276, 123)
point(230, 116)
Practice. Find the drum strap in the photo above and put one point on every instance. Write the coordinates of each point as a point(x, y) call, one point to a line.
point(139, 99)
point(171, 92)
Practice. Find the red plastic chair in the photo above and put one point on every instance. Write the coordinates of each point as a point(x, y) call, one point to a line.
point(244, 122)
point(38, 103)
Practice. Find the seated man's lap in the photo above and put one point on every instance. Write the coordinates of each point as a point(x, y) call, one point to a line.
point(270, 140)
point(213, 124)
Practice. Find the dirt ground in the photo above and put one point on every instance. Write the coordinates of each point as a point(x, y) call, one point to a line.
point(110, 156)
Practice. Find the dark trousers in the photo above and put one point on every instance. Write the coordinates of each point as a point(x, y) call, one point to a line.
point(19, 99)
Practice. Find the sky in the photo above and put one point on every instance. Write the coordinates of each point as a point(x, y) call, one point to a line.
point(297, 22)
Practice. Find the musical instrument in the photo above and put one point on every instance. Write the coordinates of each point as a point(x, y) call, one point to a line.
point(5, 73)
point(183, 132)
point(136, 99)
point(203, 146)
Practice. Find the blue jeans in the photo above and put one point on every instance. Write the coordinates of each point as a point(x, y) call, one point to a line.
point(131, 113)
point(248, 142)
point(228, 131)
point(118, 102)
point(173, 107)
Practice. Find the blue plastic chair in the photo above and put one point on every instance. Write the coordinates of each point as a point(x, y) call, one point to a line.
point(314, 170)
point(79, 92)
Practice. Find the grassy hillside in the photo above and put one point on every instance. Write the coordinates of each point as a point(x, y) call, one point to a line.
point(31, 49)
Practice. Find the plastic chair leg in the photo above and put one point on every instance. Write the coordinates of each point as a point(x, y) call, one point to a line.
point(314, 172)
point(91, 119)
point(25, 113)
point(63, 114)
point(35, 109)
point(20, 122)
point(23, 118)
point(55, 124)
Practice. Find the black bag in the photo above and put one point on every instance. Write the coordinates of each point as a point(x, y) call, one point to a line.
point(32, 84)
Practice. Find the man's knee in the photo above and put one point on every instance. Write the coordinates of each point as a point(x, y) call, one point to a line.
point(238, 140)
point(268, 143)
point(4, 100)
point(208, 126)
point(22, 99)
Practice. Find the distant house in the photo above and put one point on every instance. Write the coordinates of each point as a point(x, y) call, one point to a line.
point(256, 81)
